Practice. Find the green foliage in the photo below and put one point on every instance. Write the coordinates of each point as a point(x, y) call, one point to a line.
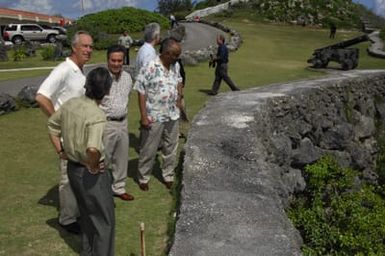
point(315, 12)
point(335, 215)
point(48, 52)
point(166, 7)
point(106, 25)
point(19, 53)
point(114, 21)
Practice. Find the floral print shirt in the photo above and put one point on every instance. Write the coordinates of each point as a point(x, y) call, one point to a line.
point(159, 85)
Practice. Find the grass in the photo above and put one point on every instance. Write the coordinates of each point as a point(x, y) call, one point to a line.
point(28, 187)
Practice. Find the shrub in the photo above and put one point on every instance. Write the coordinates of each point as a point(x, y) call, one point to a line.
point(48, 53)
point(104, 26)
point(19, 53)
point(336, 215)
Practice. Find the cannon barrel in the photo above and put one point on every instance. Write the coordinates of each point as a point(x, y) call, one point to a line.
point(347, 43)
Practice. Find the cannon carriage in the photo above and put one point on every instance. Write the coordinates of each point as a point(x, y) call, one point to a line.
point(347, 57)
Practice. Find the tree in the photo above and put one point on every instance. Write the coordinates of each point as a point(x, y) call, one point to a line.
point(167, 7)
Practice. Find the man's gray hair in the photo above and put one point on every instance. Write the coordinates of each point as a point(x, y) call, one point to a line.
point(151, 32)
point(75, 38)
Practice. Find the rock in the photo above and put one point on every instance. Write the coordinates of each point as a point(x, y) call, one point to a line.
point(27, 96)
point(7, 104)
point(337, 137)
point(178, 32)
point(188, 60)
point(307, 153)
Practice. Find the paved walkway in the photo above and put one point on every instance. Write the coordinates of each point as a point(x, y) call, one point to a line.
point(376, 49)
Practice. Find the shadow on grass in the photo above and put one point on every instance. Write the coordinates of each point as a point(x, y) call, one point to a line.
point(132, 171)
point(73, 241)
point(175, 209)
point(51, 198)
point(134, 142)
point(205, 91)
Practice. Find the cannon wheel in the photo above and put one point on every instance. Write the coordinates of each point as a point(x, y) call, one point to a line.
point(347, 65)
point(320, 64)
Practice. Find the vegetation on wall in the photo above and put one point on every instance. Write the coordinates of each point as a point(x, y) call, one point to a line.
point(338, 214)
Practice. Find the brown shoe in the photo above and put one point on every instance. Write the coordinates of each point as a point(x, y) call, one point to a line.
point(168, 184)
point(144, 186)
point(125, 197)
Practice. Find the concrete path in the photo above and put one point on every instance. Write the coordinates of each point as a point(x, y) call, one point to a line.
point(376, 49)
point(13, 87)
point(198, 36)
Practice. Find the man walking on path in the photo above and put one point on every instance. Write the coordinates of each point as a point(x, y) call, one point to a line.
point(66, 81)
point(221, 61)
point(116, 140)
point(126, 41)
point(76, 130)
point(159, 86)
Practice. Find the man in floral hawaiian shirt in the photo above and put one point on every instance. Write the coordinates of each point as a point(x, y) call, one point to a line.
point(159, 87)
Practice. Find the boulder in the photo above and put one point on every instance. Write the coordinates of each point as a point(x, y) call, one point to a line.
point(7, 104)
point(27, 96)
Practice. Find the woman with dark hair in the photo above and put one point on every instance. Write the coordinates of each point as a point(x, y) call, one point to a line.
point(80, 123)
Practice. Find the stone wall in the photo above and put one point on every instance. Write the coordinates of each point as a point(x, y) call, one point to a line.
point(245, 152)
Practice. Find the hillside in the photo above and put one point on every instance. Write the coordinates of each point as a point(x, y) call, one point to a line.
point(343, 13)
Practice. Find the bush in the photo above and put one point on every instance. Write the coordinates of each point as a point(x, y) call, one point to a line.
point(18, 53)
point(115, 21)
point(48, 53)
point(104, 26)
point(338, 216)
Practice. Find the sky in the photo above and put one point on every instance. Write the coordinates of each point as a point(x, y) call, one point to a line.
point(77, 8)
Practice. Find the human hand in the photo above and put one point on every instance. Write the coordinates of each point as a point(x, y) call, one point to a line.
point(145, 123)
point(63, 155)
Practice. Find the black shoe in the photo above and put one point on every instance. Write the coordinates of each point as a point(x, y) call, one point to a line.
point(143, 186)
point(168, 184)
point(212, 93)
point(73, 228)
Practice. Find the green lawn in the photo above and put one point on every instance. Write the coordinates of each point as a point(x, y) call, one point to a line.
point(28, 187)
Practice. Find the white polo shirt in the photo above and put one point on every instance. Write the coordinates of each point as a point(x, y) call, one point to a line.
point(66, 81)
point(145, 54)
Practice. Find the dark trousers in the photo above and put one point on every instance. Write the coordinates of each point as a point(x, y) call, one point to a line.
point(97, 214)
point(127, 57)
point(221, 73)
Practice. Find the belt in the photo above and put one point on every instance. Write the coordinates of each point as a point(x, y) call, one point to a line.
point(116, 119)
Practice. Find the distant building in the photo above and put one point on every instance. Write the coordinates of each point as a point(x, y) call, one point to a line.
point(8, 16)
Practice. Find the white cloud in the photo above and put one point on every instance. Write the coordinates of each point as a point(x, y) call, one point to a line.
point(40, 6)
point(379, 7)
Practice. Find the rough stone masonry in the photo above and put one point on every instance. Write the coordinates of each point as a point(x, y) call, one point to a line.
point(245, 152)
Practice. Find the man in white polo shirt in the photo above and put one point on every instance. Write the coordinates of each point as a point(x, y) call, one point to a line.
point(66, 81)
point(147, 52)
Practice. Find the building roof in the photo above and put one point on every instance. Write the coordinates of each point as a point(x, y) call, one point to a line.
point(24, 16)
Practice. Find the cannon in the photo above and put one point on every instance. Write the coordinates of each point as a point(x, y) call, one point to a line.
point(347, 57)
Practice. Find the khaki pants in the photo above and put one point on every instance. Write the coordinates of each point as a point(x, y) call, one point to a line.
point(116, 142)
point(165, 134)
point(68, 207)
